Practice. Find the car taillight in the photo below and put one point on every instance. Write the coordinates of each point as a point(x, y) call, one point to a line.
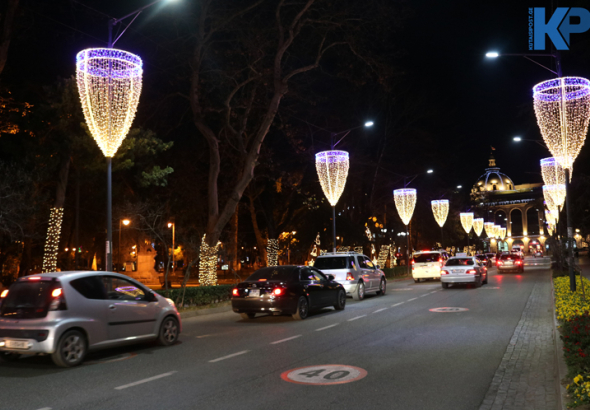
point(499, 263)
point(349, 276)
point(235, 292)
point(412, 262)
point(34, 277)
point(444, 272)
point(518, 262)
point(4, 293)
point(59, 301)
point(278, 291)
point(56, 293)
point(472, 271)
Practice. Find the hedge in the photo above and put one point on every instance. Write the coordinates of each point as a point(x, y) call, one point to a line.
point(395, 272)
point(200, 295)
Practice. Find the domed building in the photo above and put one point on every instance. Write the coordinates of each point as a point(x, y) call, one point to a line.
point(517, 208)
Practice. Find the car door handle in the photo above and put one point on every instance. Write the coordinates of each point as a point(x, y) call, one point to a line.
point(112, 307)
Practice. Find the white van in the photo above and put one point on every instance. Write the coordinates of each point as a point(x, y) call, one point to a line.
point(428, 264)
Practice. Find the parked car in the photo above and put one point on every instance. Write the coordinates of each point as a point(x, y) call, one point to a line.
point(483, 258)
point(292, 290)
point(463, 269)
point(354, 271)
point(510, 261)
point(66, 314)
point(427, 264)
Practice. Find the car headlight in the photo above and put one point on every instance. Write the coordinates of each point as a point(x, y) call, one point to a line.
point(171, 302)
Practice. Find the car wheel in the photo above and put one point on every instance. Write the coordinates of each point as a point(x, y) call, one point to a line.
point(359, 293)
point(479, 282)
point(485, 282)
point(382, 288)
point(444, 285)
point(340, 300)
point(247, 315)
point(416, 280)
point(302, 309)
point(70, 349)
point(168, 331)
point(9, 357)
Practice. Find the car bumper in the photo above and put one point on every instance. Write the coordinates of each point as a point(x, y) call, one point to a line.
point(459, 278)
point(435, 274)
point(264, 305)
point(29, 341)
point(510, 268)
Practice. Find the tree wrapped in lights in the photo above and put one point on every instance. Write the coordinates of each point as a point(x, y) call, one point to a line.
point(440, 209)
point(489, 227)
point(405, 202)
point(332, 168)
point(272, 252)
point(52, 242)
point(208, 264)
point(478, 226)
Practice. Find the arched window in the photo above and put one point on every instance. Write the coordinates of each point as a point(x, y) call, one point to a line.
point(494, 187)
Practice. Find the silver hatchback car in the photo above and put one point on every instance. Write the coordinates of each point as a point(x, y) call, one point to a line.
point(463, 269)
point(66, 314)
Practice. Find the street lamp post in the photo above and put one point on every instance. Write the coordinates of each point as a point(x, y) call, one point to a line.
point(173, 226)
point(121, 223)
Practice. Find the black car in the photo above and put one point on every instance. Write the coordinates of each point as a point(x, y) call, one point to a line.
point(483, 258)
point(292, 290)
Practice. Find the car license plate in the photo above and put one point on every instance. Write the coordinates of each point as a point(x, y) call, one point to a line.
point(456, 270)
point(17, 344)
point(254, 293)
point(508, 262)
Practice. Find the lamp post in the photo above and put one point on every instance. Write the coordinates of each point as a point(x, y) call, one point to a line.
point(121, 223)
point(519, 139)
point(173, 226)
point(495, 54)
point(405, 202)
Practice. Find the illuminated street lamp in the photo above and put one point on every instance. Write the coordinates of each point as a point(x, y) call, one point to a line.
point(405, 202)
point(122, 222)
point(440, 209)
point(332, 168)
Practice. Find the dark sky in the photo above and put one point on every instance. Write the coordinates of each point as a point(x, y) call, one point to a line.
point(483, 102)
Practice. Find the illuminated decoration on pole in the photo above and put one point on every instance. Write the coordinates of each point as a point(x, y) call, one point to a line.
point(208, 264)
point(332, 168)
point(549, 199)
point(272, 252)
point(52, 242)
point(467, 220)
point(553, 173)
point(497, 229)
point(562, 107)
point(502, 233)
point(557, 194)
point(109, 83)
point(489, 227)
point(478, 226)
point(440, 209)
point(405, 202)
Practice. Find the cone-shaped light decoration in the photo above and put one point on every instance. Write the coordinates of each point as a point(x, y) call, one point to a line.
point(332, 168)
point(557, 193)
point(109, 83)
point(502, 233)
point(550, 229)
point(562, 107)
point(489, 227)
point(553, 173)
point(478, 226)
point(551, 217)
point(549, 191)
point(467, 220)
point(440, 209)
point(405, 202)
point(497, 231)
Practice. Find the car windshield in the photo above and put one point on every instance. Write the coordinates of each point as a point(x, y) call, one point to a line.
point(334, 262)
point(277, 273)
point(460, 262)
point(426, 257)
point(27, 300)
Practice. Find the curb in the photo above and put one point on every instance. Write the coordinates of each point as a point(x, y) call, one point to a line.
point(560, 365)
point(226, 307)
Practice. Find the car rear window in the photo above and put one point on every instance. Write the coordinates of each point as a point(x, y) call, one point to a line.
point(460, 262)
point(91, 287)
point(336, 262)
point(27, 299)
point(283, 274)
point(426, 257)
point(512, 257)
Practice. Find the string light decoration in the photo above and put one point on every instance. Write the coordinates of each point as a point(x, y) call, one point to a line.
point(557, 194)
point(272, 252)
point(466, 220)
point(440, 209)
point(359, 249)
point(553, 173)
point(502, 233)
point(109, 84)
point(497, 231)
point(478, 226)
point(383, 254)
point(405, 202)
point(368, 233)
point(489, 227)
point(551, 217)
point(332, 168)
point(56, 216)
point(208, 264)
point(548, 191)
point(343, 248)
point(562, 107)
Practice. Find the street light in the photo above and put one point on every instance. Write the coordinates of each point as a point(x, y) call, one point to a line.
point(519, 139)
point(122, 222)
point(495, 54)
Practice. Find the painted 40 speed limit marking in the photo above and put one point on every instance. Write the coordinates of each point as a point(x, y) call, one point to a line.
point(323, 375)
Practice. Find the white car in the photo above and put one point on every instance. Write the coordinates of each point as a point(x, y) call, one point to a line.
point(463, 269)
point(427, 264)
point(354, 271)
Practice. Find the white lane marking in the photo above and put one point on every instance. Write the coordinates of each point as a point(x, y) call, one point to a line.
point(380, 310)
point(434, 292)
point(409, 300)
point(202, 336)
point(355, 318)
point(145, 380)
point(397, 304)
point(285, 340)
point(326, 327)
point(45, 408)
point(424, 295)
point(228, 356)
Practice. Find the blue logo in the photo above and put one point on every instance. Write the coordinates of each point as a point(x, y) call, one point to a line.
point(563, 22)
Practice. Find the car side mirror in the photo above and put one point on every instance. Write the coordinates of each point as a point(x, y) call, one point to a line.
point(151, 297)
point(330, 277)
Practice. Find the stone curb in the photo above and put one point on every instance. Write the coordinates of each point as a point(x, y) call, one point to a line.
point(560, 360)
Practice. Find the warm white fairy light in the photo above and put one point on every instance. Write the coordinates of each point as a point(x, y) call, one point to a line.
point(383, 254)
point(52, 241)
point(557, 194)
point(478, 226)
point(405, 202)
point(551, 217)
point(489, 227)
point(272, 252)
point(502, 233)
point(359, 249)
point(497, 229)
point(553, 173)
point(548, 191)
point(332, 168)
point(440, 209)
point(109, 83)
point(208, 264)
point(562, 107)
point(466, 220)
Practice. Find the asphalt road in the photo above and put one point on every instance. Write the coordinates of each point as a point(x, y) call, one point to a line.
point(414, 358)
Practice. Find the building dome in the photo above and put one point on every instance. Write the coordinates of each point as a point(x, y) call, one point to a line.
point(493, 179)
